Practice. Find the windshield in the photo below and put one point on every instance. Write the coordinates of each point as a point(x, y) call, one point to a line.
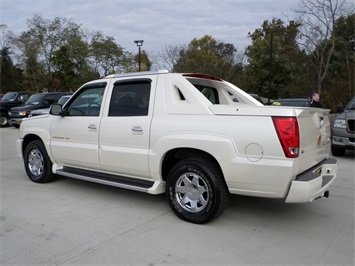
point(35, 99)
point(351, 105)
point(9, 97)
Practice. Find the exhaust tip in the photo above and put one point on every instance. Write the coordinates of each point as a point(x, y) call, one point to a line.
point(326, 194)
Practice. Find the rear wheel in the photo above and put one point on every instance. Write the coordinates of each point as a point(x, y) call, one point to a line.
point(338, 151)
point(37, 163)
point(196, 190)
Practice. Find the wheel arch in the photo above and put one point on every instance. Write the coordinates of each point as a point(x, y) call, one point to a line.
point(176, 155)
point(27, 139)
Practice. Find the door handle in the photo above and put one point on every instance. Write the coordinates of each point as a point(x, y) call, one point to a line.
point(137, 130)
point(92, 127)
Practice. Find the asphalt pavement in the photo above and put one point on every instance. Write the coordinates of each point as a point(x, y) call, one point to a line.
point(73, 222)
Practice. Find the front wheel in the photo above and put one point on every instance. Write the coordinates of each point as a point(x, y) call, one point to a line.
point(196, 190)
point(37, 163)
point(4, 120)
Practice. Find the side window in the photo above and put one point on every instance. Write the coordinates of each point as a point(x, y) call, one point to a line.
point(87, 102)
point(233, 97)
point(50, 99)
point(130, 99)
point(24, 97)
point(210, 93)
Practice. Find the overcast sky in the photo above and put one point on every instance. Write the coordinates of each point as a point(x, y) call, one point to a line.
point(157, 22)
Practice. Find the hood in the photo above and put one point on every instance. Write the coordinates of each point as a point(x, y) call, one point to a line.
point(25, 107)
point(349, 113)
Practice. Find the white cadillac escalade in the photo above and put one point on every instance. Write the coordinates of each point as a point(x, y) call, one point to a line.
point(195, 137)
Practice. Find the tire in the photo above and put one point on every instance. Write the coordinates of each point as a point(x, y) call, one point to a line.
point(196, 190)
point(37, 163)
point(338, 151)
point(4, 120)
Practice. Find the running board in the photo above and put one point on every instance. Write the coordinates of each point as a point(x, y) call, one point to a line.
point(107, 179)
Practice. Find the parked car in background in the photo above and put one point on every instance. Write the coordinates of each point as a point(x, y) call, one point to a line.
point(343, 133)
point(299, 102)
point(43, 111)
point(36, 101)
point(8, 101)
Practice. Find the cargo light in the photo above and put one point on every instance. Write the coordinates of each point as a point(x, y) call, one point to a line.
point(288, 132)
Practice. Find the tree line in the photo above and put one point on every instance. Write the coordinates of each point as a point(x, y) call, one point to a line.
point(313, 53)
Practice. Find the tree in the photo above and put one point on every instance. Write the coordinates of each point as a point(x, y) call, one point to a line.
point(107, 55)
point(171, 54)
point(6, 36)
point(59, 55)
point(28, 61)
point(144, 61)
point(64, 66)
point(208, 56)
point(274, 60)
point(37, 46)
point(339, 83)
point(318, 19)
point(11, 75)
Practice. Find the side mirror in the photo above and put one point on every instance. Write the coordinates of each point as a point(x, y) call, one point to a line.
point(56, 109)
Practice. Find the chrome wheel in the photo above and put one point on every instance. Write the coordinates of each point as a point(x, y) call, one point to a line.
point(35, 162)
point(3, 121)
point(191, 192)
point(38, 165)
point(196, 190)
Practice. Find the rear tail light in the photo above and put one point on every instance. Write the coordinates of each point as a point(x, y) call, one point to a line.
point(288, 133)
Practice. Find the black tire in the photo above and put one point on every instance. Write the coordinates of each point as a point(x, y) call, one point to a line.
point(338, 151)
point(4, 120)
point(37, 162)
point(196, 190)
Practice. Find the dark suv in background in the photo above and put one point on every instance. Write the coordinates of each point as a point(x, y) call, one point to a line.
point(44, 111)
point(343, 131)
point(36, 101)
point(8, 101)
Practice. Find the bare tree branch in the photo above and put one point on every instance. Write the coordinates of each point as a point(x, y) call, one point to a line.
point(318, 19)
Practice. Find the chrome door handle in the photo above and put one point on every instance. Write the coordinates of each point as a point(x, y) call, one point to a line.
point(92, 127)
point(137, 130)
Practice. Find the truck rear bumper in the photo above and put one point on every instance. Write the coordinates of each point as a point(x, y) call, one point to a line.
point(314, 183)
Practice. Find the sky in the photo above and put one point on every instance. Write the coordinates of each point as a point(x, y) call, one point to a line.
point(158, 22)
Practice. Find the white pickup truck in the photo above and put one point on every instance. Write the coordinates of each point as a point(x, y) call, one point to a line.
point(195, 137)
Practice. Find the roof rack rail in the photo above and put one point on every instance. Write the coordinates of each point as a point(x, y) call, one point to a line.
point(132, 74)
